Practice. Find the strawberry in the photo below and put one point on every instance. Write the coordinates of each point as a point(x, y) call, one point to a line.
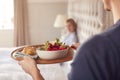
point(62, 48)
point(55, 46)
point(55, 49)
point(49, 49)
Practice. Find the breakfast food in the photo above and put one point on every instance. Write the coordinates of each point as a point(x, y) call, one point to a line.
point(57, 45)
point(48, 51)
point(53, 50)
point(29, 50)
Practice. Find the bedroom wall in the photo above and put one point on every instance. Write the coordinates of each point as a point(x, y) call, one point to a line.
point(41, 17)
point(6, 38)
point(42, 14)
point(90, 16)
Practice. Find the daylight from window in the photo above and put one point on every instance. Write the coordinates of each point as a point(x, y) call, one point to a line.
point(6, 14)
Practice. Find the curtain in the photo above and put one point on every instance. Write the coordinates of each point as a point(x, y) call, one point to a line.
point(21, 26)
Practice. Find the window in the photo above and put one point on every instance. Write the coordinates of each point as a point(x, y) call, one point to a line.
point(6, 14)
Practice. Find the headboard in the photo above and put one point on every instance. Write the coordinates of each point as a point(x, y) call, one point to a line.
point(90, 16)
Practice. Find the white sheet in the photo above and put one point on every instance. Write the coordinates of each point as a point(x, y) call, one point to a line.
point(10, 70)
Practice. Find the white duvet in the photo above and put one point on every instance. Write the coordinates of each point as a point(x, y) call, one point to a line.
point(10, 70)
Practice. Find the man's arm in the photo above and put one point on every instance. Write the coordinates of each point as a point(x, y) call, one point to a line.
point(30, 67)
point(37, 76)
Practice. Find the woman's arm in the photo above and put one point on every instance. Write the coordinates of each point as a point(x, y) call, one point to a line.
point(30, 67)
point(75, 46)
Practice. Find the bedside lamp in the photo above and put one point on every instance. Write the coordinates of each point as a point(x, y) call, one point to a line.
point(60, 21)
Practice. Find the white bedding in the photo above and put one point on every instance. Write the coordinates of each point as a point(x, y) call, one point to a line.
point(10, 70)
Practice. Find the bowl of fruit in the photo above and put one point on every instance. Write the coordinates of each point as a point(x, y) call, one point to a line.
point(53, 50)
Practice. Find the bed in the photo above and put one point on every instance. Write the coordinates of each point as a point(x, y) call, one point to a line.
point(10, 70)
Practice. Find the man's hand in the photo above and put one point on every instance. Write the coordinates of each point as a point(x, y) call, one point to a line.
point(75, 46)
point(29, 66)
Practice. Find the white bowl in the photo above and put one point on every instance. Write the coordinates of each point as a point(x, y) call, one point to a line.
point(50, 55)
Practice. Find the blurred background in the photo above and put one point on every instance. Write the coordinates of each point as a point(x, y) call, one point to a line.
point(28, 22)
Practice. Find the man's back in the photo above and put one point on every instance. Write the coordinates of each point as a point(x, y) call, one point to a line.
point(99, 58)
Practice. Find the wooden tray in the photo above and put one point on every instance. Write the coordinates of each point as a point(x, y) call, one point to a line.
point(69, 57)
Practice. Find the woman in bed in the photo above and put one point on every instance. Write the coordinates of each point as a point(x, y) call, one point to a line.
point(70, 36)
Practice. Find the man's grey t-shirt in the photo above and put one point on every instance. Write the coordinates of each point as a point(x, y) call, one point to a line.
point(98, 58)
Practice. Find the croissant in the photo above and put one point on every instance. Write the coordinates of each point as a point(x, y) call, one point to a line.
point(29, 50)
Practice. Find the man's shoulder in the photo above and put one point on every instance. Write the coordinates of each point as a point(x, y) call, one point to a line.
point(114, 30)
point(105, 38)
point(104, 43)
point(97, 45)
point(96, 41)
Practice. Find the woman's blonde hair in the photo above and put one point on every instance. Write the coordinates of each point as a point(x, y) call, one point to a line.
point(70, 20)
